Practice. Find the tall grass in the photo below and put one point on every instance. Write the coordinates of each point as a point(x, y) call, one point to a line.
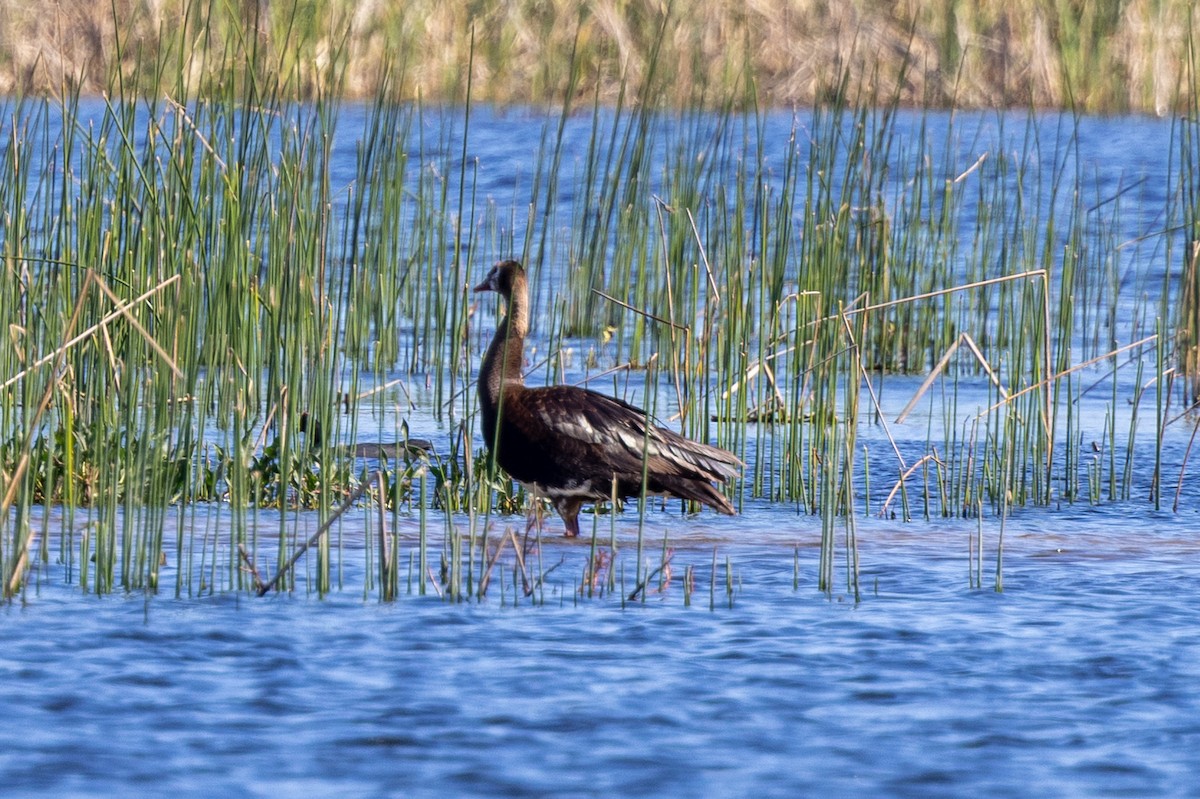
point(1108, 57)
point(1188, 318)
point(195, 272)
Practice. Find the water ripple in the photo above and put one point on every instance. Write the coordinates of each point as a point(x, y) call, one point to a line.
point(1075, 682)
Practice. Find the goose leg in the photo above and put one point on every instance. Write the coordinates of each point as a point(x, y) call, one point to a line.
point(568, 509)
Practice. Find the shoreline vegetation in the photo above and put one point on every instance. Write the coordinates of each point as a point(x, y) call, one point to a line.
point(1124, 56)
point(201, 264)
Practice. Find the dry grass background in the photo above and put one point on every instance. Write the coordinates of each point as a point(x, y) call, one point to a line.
point(1097, 55)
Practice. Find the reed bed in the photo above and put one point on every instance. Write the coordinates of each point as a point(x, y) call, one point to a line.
point(1099, 57)
point(197, 274)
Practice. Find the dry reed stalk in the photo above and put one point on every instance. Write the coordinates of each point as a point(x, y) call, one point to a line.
point(121, 309)
point(487, 575)
point(1052, 378)
point(18, 572)
point(1032, 273)
point(22, 464)
point(926, 458)
point(963, 338)
point(251, 569)
point(14, 480)
point(639, 311)
point(315, 537)
point(862, 371)
point(1021, 53)
point(150, 340)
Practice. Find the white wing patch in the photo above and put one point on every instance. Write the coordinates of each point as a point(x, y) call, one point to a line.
point(638, 443)
point(579, 427)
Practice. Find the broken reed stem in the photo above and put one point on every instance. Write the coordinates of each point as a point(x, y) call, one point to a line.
point(646, 581)
point(621, 367)
point(1187, 453)
point(907, 474)
point(57, 356)
point(1065, 372)
point(526, 585)
point(250, 567)
point(18, 572)
point(963, 338)
point(487, 574)
point(121, 309)
point(433, 581)
point(1039, 273)
point(154, 345)
point(345, 506)
point(639, 311)
point(712, 282)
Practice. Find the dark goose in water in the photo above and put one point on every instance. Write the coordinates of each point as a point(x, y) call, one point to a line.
point(569, 444)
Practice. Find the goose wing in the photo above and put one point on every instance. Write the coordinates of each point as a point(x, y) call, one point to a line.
point(601, 435)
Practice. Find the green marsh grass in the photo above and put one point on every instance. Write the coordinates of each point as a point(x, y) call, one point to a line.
point(195, 273)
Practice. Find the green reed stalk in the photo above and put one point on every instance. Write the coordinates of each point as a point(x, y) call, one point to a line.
point(712, 583)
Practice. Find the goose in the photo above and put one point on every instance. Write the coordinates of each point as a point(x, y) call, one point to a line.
point(570, 444)
point(407, 449)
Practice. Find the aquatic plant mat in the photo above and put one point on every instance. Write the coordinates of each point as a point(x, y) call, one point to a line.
point(231, 319)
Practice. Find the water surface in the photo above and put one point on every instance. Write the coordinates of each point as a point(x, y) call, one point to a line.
point(1077, 680)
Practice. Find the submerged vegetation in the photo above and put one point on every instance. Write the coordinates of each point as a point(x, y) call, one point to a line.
point(192, 273)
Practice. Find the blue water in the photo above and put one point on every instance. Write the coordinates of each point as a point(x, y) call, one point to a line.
point(1078, 680)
